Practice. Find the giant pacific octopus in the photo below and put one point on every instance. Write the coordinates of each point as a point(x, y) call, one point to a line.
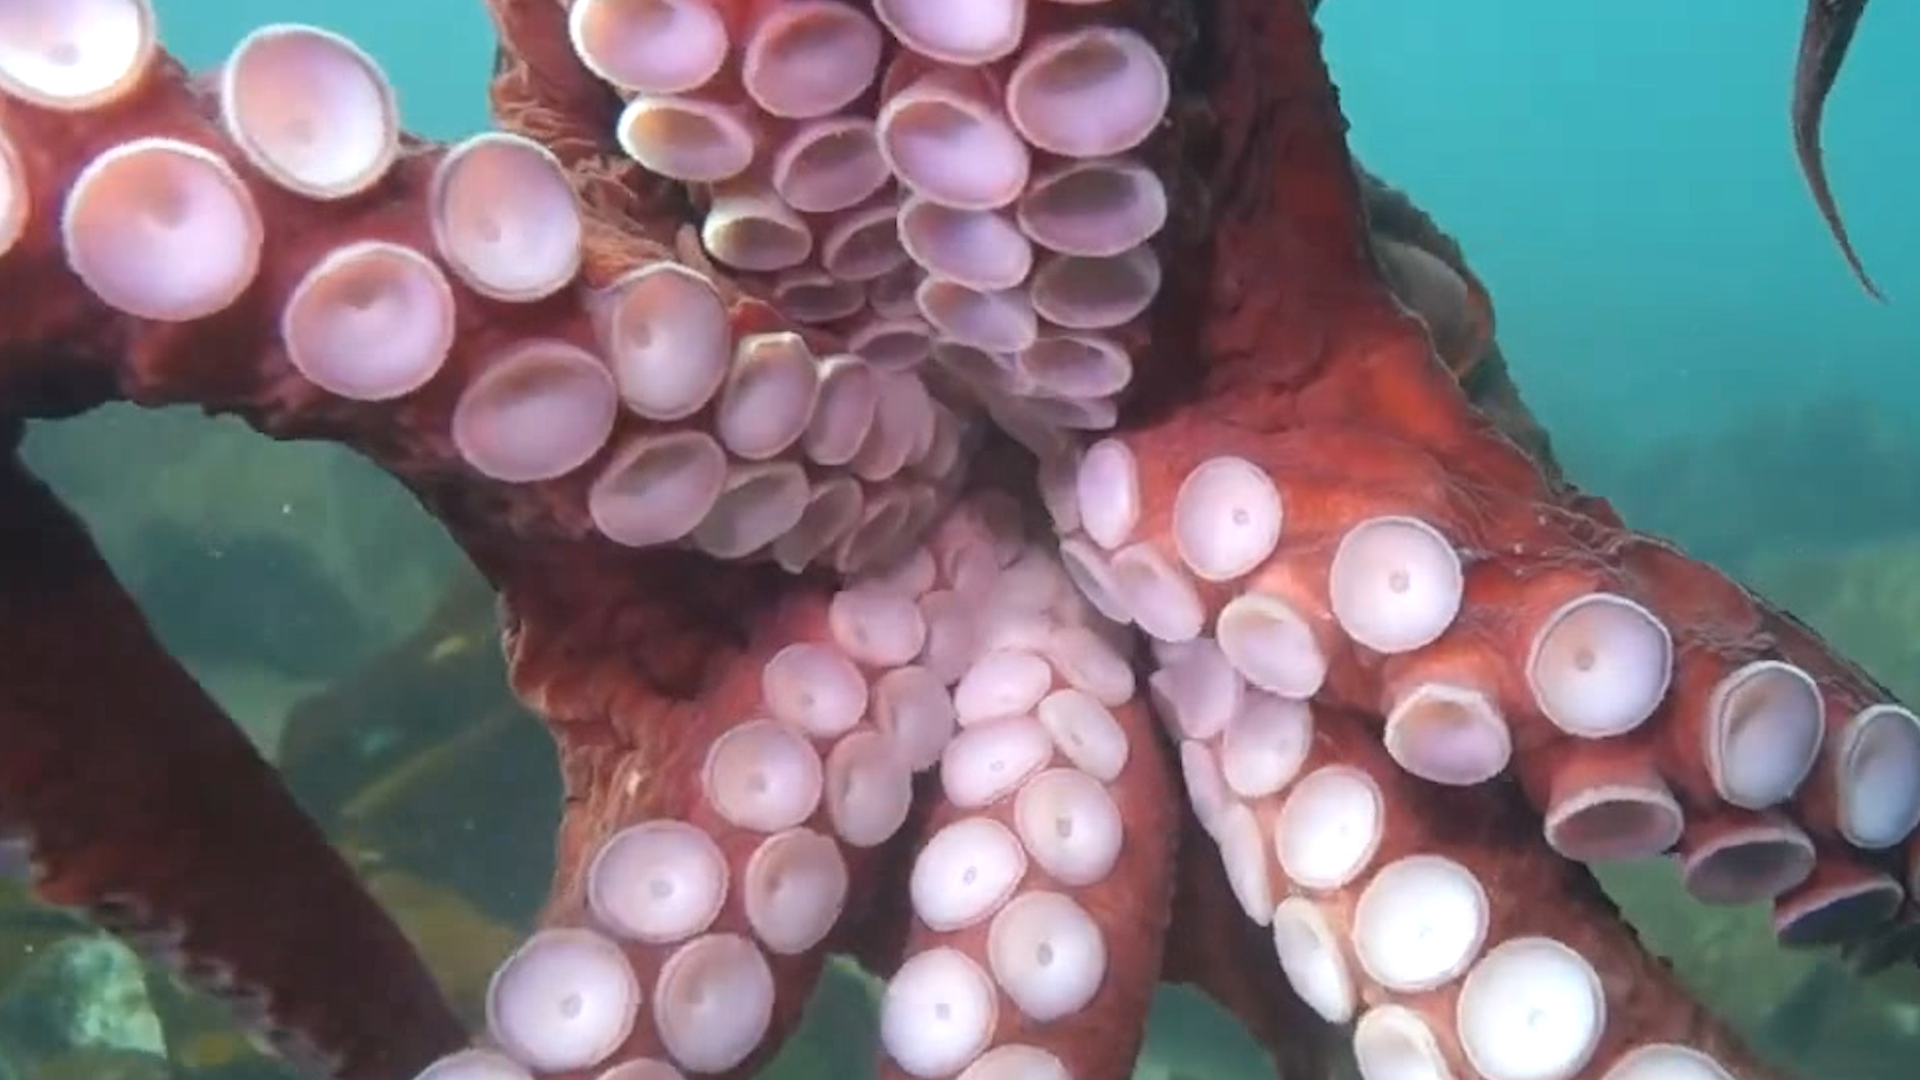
point(965, 488)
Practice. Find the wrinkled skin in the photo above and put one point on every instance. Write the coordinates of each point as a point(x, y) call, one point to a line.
point(1280, 343)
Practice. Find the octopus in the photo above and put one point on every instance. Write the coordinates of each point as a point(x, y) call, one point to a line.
point(986, 489)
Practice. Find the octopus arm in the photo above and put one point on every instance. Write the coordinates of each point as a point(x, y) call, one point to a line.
point(840, 773)
point(127, 792)
point(1824, 39)
point(788, 663)
point(1330, 480)
point(1041, 881)
point(1458, 940)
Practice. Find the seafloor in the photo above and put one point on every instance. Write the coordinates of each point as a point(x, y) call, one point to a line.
point(327, 612)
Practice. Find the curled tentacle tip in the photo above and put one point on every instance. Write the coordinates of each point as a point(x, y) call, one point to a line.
point(1826, 35)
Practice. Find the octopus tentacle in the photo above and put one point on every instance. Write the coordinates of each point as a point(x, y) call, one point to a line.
point(906, 179)
point(416, 315)
point(707, 439)
point(770, 831)
point(657, 406)
point(126, 791)
point(1332, 531)
point(1825, 37)
point(1041, 885)
point(1461, 944)
point(1438, 581)
point(716, 843)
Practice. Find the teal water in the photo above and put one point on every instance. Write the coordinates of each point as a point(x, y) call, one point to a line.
point(1619, 173)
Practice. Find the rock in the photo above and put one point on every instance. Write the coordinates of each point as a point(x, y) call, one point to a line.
point(84, 995)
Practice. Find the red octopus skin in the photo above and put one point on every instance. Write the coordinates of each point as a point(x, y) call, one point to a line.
point(103, 730)
point(1274, 341)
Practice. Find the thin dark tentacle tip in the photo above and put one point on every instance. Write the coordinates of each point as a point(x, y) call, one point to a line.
point(1824, 39)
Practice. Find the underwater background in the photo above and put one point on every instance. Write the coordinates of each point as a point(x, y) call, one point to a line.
point(1619, 173)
